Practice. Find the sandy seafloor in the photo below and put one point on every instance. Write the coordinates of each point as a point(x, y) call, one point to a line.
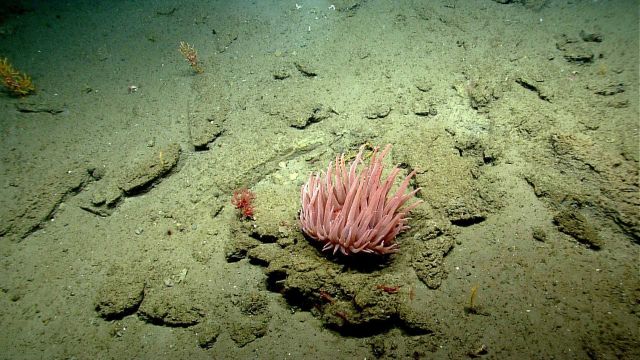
point(521, 120)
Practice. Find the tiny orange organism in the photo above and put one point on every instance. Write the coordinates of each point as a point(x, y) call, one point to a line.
point(388, 289)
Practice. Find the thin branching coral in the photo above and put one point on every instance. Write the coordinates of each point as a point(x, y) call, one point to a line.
point(17, 83)
point(191, 55)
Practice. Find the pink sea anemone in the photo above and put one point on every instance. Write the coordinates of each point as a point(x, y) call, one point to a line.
point(353, 212)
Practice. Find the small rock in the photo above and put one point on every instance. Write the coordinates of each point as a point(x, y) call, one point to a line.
point(305, 69)
point(281, 74)
point(120, 295)
point(571, 222)
point(422, 109)
point(97, 173)
point(377, 111)
point(573, 51)
point(590, 37)
point(318, 113)
point(423, 85)
point(208, 333)
point(539, 234)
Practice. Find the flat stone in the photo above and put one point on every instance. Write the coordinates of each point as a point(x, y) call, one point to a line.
point(572, 223)
point(140, 177)
point(120, 295)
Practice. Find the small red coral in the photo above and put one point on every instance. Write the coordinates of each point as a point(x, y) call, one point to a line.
point(242, 200)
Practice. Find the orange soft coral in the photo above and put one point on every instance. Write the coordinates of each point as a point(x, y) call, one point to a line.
point(243, 201)
point(18, 84)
